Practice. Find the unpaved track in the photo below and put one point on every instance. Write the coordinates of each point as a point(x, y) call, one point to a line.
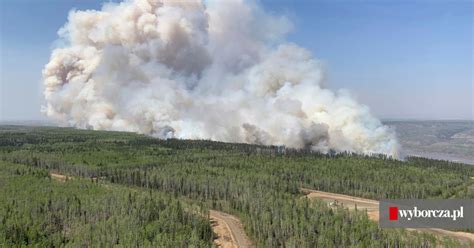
point(372, 207)
point(229, 230)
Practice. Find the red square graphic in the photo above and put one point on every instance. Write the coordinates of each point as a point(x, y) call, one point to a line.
point(393, 213)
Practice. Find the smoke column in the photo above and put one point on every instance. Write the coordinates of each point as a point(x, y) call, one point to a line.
point(217, 70)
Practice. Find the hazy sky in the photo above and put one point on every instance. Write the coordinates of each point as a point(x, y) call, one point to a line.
point(403, 59)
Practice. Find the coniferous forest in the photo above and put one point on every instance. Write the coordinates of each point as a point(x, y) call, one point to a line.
point(130, 190)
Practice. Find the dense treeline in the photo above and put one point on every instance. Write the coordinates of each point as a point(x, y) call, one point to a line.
point(38, 211)
point(260, 184)
point(90, 153)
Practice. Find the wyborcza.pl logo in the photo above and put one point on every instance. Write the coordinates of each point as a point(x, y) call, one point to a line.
point(409, 214)
point(452, 213)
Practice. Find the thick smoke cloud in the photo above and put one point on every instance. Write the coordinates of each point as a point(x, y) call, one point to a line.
point(217, 70)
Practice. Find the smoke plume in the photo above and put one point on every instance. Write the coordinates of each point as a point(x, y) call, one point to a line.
point(217, 70)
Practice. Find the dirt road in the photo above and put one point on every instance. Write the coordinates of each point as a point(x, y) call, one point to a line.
point(347, 201)
point(372, 207)
point(229, 230)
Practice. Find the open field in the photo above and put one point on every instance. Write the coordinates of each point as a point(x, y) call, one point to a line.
point(184, 179)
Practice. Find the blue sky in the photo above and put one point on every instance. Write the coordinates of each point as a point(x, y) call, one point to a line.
point(404, 59)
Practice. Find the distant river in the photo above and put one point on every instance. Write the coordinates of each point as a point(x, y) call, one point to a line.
point(439, 156)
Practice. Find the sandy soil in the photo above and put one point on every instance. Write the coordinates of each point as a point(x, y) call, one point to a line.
point(372, 207)
point(229, 230)
point(63, 178)
point(59, 177)
point(347, 201)
point(224, 238)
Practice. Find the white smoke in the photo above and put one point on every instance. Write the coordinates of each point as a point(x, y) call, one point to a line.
point(217, 70)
